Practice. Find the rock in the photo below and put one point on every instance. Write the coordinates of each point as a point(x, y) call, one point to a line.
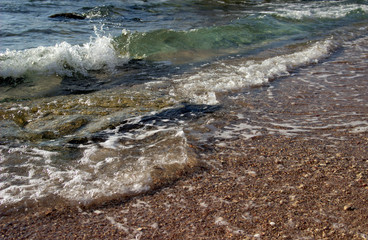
point(349, 207)
point(251, 173)
point(9, 130)
point(9, 81)
point(68, 16)
point(56, 126)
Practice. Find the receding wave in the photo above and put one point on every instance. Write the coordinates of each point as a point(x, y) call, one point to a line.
point(110, 168)
point(234, 75)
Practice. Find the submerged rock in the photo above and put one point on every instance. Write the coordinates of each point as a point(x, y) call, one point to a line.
point(68, 16)
point(74, 118)
point(57, 126)
point(9, 130)
point(10, 81)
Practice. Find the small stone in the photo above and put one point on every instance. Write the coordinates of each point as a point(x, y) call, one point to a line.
point(154, 225)
point(359, 176)
point(348, 207)
point(251, 173)
point(272, 223)
point(98, 212)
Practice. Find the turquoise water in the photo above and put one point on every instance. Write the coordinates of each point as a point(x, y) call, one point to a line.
point(95, 96)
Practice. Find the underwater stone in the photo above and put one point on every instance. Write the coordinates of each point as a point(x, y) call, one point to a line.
point(18, 117)
point(68, 16)
point(56, 126)
point(9, 81)
point(9, 130)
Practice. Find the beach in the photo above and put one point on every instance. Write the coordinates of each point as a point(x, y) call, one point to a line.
point(303, 175)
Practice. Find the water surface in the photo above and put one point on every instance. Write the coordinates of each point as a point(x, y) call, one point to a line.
point(110, 102)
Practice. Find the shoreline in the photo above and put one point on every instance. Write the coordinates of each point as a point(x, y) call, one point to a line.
point(304, 177)
point(289, 188)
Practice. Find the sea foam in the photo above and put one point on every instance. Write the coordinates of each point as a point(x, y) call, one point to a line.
point(224, 77)
point(318, 10)
point(104, 169)
point(62, 59)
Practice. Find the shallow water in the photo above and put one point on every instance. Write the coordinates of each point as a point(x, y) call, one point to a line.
point(112, 104)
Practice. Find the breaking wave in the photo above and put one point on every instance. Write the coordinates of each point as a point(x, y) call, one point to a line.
point(62, 59)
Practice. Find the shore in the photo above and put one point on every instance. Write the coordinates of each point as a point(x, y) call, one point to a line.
point(306, 180)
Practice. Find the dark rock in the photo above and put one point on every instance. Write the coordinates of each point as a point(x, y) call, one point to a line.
point(68, 16)
point(78, 141)
point(9, 81)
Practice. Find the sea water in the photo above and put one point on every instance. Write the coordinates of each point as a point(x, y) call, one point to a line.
point(108, 100)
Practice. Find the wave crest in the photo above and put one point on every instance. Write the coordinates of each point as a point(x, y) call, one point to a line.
point(62, 59)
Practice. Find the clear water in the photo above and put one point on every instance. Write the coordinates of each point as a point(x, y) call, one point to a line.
point(101, 106)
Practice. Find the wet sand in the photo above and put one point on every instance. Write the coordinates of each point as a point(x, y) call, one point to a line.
point(303, 175)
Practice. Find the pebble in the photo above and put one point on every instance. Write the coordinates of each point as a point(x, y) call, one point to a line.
point(348, 207)
point(251, 173)
point(97, 211)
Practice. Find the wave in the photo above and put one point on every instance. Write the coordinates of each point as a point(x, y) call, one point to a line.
point(62, 59)
point(103, 170)
point(106, 52)
point(231, 37)
point(93, 174)
point(226, 76)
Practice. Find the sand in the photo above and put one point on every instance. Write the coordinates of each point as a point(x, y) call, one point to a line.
point(305, 176)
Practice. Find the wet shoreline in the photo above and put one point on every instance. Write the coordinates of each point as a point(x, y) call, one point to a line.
point(291, 164)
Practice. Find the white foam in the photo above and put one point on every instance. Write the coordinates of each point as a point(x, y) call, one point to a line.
point(327, 126)
point(361, 129)
point(202, 86)
point(117, 224)
point(104, 169)
point(61, 59)
point(318, 10)
point(247, 131)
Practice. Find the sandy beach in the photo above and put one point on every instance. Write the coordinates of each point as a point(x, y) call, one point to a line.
point(306, 180)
